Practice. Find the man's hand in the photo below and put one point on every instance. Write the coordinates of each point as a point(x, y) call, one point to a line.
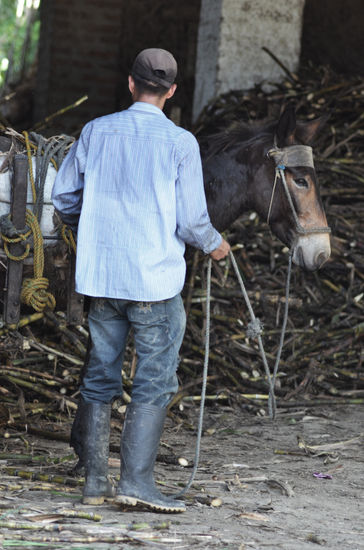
point(221, 252)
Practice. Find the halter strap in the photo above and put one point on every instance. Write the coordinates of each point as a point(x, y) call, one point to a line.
point(296, 155)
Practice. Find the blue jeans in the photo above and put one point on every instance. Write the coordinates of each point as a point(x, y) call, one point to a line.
point(158, 333)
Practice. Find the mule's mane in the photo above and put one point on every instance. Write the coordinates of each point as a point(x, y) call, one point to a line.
point(237, 134)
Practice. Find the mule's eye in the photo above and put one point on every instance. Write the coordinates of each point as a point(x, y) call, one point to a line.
point(301, 182)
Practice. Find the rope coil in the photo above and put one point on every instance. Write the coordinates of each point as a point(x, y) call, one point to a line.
point(34, 291)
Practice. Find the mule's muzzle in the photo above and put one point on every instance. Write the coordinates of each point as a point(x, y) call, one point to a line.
point(311, 253)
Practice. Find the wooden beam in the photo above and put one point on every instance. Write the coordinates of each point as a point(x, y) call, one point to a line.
point(15, 268)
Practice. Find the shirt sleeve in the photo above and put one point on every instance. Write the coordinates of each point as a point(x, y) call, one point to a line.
point(67, 192)
point(193, 222)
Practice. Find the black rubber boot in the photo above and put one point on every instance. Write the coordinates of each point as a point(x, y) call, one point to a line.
point(142, 430)
point(96, 453)
point(77, 438)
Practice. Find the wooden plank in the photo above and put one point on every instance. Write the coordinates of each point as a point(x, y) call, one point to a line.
point(15, 268)
point(75, 301)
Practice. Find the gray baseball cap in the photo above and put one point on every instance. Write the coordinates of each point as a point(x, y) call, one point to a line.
point(155, 65)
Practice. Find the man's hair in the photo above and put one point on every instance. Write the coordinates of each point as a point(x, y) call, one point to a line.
point(148, 87)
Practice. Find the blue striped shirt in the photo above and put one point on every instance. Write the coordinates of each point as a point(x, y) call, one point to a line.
point(134, 180)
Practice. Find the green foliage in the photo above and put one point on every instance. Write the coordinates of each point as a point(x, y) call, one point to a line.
point(18, 39)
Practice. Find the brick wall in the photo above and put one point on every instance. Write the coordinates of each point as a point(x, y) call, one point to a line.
point(172, 25)
point(87, 47)
point(79, 54)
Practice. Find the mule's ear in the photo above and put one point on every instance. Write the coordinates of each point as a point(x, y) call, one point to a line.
point(286, 126)
point(306, 132)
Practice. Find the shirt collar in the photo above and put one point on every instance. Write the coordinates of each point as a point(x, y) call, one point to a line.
point(146, 108)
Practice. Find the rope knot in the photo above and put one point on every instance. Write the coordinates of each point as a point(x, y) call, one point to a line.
point(35, 293)
point(255, 328)
point(10, 233)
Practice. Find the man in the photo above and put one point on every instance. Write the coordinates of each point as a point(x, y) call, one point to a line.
point(133, 184)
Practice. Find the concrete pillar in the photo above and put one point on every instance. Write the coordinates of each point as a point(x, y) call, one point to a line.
point(230, 40)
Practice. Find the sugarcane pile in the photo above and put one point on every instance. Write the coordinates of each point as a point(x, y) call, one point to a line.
point(323, 353)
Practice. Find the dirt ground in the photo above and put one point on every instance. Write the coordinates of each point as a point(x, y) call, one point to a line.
point(255, 488)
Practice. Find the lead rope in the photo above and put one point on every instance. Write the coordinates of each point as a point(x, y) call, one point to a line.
point(204, 383)
point(255, 329)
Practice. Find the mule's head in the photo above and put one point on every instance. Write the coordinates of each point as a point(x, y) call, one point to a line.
point(294, 210)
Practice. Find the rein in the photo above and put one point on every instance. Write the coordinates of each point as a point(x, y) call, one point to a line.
point(296, 155)
point(254, 330)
